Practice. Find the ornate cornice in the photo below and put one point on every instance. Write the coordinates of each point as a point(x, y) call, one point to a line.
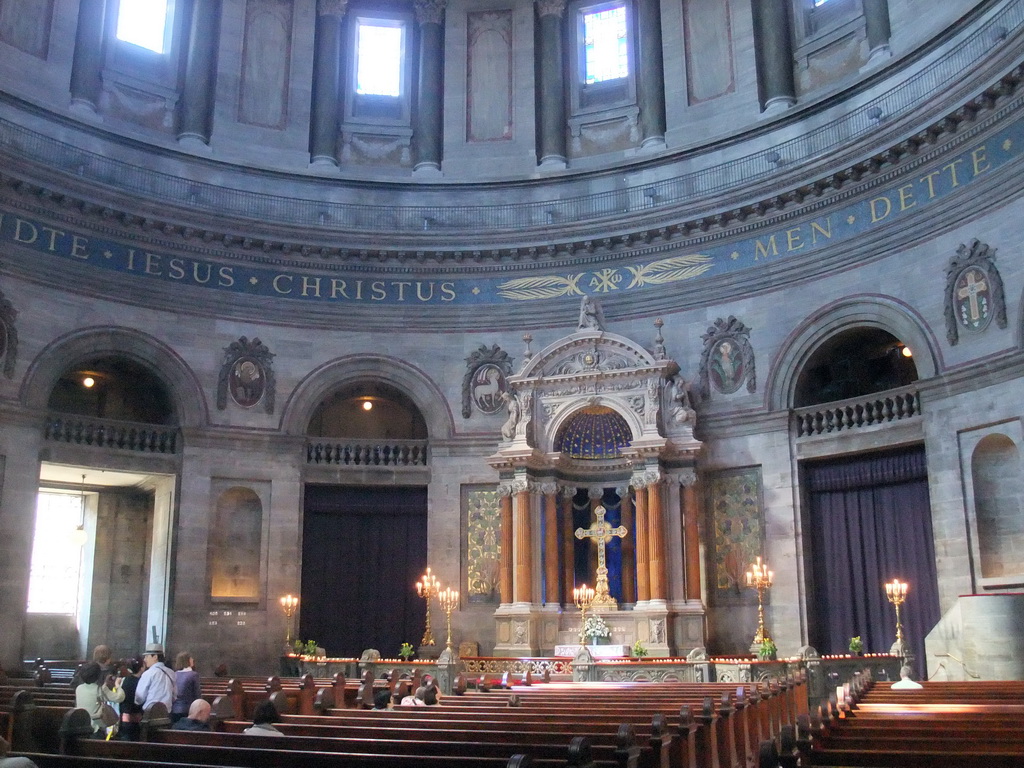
point(944, 135)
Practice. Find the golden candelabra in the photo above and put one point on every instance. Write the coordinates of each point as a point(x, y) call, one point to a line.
point(760, 578)
point(426, 588)
point(583, 597)
point(288, 604)
point(449, 600)
point(896, 593)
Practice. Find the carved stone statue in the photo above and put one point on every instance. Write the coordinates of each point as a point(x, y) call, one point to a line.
point(680, 409)
point(515, 413)
point(591, 315)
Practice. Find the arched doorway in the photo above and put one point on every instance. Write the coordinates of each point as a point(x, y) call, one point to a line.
point(365, 529)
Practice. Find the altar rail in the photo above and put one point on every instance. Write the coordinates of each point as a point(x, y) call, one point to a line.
point(393, 453)
point(106, 433)
point(879, 408)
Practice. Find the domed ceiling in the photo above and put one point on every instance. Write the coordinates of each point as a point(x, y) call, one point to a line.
point(596, 432)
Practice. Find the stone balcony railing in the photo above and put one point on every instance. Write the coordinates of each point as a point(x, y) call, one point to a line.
point(358, 453)
point(107, 433)
point(856, 413)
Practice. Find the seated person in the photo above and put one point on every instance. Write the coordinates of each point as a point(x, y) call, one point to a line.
point(382, 699)
point(430, 695)
point(13, 762)
point(198, 718)
point(90, 695)
point(414, 700)
point(906, 682)
point(263, 719)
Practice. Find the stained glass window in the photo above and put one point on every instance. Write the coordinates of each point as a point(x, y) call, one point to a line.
point(55, 575)
point(143, 23)
point(605, 45)
point(378, 58)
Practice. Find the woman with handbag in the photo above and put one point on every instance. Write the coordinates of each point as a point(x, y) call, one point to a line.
point(96, 699)
point(131, 713)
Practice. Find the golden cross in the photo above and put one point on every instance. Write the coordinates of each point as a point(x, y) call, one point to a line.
point(601, 533)
point(970, 292)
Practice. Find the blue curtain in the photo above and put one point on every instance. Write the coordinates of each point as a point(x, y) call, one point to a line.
point(870, 522)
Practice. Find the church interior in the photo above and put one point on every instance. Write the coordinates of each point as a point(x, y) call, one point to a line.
point(306, 297)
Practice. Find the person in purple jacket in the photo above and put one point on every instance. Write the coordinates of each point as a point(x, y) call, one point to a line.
point(186, 683)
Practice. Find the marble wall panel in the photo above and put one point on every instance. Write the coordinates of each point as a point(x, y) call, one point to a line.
point(709, 58)
point(266, 54)
point(489, 76)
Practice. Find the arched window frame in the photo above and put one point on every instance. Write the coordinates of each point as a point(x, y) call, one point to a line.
point(382, 112)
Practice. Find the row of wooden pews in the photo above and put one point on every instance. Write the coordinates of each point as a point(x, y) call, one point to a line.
point(592, 725)
point(963, 724)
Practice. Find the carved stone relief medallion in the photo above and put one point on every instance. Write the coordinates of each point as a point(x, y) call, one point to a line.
point(248, 382)
point(485, 382)
point(974, 291)
point(488, 385)
point(728, 359)
point(247, 375)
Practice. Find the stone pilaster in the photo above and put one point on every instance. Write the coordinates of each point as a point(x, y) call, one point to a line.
point(507, 547)
point(550, 494)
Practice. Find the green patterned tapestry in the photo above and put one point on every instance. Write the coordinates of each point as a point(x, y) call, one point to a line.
point(482, 524)
point(737, 521)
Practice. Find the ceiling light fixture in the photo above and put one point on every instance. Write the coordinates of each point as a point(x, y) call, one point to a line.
point(367, 405)
point(88, 382)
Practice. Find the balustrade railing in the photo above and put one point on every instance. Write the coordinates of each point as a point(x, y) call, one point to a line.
point(878, 408)
point(106, 433)
point(390, 453)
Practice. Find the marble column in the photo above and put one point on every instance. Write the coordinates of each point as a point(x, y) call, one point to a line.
point(650, 74)
point(773, 44)
point(87, 64)
point(568, 544)
point(550, 491)
point(628, 548)
point(876, 23)
point(550, 86)
point(199, 89)
point(507, 548)
point(522, 584)
point(327, 84)
point(656, 542)
point(643, 572)
point(427, 131)
point(691, 508)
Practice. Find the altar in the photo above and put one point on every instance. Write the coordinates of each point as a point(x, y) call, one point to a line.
point(597, 651)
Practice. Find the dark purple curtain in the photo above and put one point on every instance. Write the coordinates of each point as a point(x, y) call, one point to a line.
point(363, 549)
point(870, 522)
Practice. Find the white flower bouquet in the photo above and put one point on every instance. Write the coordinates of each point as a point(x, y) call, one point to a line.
point(595, 626)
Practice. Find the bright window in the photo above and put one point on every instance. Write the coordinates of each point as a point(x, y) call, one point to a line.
point(143, 23)
point(605, 45)
point(379, 58)
point(819, 2)
point(55, 576)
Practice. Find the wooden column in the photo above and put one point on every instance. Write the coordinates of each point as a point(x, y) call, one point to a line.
point(522, 588)
point(507, 550)
point(656, 542)
point(690, 502)
point(643, 573)
point(628, 549)
point(568, 552)
point(551, 543)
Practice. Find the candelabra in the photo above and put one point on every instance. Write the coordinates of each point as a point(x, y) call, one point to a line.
point(896, 593)
point(288, 604)
point(583, 597)
point(760, 578)
point(449, 600)
point(426, 588)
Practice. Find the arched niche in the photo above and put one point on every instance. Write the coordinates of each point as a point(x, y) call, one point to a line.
point(996, 477)
point(235, 546)
point(67, 353)
point(368, 410)
point(356, 370)
point(882, 313)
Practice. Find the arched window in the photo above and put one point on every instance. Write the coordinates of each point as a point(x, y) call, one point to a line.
point(144, 23)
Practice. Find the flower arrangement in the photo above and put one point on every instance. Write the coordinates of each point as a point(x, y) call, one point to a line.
point(639, 649)
point(768, 650)
point(595, 626)
point(406, 651)
point(307, 648)
point(856, 645)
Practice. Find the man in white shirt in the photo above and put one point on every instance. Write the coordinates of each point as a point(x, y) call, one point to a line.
point(905, 682)
point(157, 682)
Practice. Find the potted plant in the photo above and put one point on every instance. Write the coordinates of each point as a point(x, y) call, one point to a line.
point(768, 651)
point(406, 651)
point(639, 650)
point(856, 646)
